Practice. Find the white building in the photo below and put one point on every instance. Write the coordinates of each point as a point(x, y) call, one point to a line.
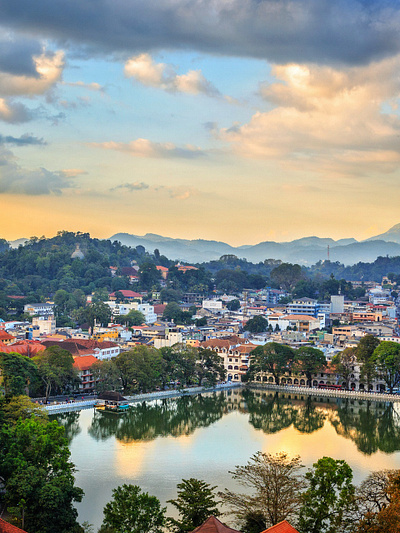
point(46, 324)
point(42, 309)
point(124, 308)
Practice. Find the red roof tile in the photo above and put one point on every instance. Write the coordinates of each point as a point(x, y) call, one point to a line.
point(213, 525)
point(5, 527)
point(128, 294)
point(84, 362)
point(5, 336)
point(282, 527)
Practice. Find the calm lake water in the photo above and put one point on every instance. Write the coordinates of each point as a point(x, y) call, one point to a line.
point(157, 444)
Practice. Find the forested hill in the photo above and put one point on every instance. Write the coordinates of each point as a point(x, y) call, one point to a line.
point(43, 266)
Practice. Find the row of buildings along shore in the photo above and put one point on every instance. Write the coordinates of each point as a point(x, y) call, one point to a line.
point(329, 326)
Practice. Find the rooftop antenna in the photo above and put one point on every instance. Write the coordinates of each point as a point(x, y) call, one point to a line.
point(328, 252)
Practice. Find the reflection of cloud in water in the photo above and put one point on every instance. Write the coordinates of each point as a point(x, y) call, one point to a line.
point(131, 458)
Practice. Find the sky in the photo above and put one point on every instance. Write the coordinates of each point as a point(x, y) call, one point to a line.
point(234, 120)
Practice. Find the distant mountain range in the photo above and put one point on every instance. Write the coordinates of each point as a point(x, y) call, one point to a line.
point(305, 251)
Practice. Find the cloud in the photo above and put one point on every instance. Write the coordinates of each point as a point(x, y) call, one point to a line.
point(16, 180)
point(148, 149)
point(14, 112)
point(48, 71)
point(322, 31)
point(24, 140)
point(89, 86)
point(143, 69)
point(326, 119)
point(72, 172)
point(16, 56)
point(136, 186)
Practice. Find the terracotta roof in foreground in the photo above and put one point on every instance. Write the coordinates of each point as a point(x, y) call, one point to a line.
point(213, 525)
point(5, 527)
point(282, 527)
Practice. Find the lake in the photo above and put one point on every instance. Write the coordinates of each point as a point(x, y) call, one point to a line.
point(157, 444)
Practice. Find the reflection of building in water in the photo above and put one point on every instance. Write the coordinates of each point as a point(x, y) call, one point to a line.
point(372, 426)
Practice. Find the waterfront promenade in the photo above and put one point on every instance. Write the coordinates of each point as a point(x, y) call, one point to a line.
point(314, 391)
point(63, 407)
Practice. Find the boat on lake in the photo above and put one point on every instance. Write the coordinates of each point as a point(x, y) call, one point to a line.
point(111, 402)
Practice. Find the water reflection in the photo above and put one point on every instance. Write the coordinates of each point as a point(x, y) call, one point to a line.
point(372, 426)
point(147, 421)
point(70, 423)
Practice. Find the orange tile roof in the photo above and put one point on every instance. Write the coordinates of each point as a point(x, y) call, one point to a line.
point(5, 527)
point(84, 362)
point(5, 336)
point(282, 527)
point(27, 347)
point(213, 525)
point(128, 294)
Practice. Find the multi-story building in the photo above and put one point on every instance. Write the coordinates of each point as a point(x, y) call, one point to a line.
point(42, 309)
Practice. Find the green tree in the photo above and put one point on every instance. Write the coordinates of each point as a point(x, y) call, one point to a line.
point(209, 367)
point(275, 485)
point(16, 407)
point(149, 275)
point(17, 373)
point(364, 354)
point(97, 312)
point(133, 511)
point(195, 503)
point(106, 375)
point(286, 276)
point(310, 361)
point(134, 318)
point(55, 366)
point(233, 305)
point(343, 363)
point(38, 476)
point(387, 359)
point(257, 324)
point(328, 502)
point(273, 358)
point(172, 312)
point(141, 369)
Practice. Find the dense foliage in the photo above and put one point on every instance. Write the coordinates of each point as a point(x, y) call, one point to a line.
point(36, 472)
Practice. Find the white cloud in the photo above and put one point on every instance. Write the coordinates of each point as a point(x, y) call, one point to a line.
point(329, 120)
point(49, 68)
point(148, 149)
point(162, 76)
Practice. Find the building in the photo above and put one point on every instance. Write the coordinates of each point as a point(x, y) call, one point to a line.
point(307, 306)
point(84, 364)
point(44, 325)
point(41, 309)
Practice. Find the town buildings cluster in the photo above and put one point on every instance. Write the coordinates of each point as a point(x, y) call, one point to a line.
point(330, 326)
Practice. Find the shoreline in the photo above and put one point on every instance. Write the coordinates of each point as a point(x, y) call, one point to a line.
point(156, 395)
point(311, 391)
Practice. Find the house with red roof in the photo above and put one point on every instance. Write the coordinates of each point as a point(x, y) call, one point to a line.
point(6, 338)
point(84, 365)
point(29, 348)
point(83, 347)
point(128, 295)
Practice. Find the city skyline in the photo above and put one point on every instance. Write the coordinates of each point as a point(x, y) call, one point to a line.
point(239, 121)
